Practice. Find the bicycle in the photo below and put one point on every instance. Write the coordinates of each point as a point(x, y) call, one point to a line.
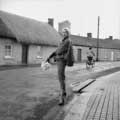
point(90, 64)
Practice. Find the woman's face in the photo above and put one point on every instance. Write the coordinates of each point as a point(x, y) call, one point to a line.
point(65, 33)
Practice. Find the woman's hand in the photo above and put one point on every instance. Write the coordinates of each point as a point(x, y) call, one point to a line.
point(48, 60)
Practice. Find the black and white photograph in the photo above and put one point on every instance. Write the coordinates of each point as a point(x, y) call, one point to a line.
point(59, 60)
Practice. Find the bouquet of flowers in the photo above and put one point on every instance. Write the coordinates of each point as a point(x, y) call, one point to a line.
point(45, 65)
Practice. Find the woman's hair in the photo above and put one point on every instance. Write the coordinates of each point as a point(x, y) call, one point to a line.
point(66, 30)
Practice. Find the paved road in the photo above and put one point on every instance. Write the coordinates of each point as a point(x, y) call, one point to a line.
point(27, 88)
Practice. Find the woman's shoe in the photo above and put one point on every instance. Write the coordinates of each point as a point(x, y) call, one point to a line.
point(62, 102)
point(63, 99)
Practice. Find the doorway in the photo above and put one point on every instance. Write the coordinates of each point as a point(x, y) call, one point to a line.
point(24, 53)
point(79, 55)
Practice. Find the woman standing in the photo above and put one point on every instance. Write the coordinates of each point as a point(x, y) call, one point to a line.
point(59, 56)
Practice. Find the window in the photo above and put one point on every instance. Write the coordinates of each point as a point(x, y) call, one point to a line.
point(8, 50)
point(39, 52)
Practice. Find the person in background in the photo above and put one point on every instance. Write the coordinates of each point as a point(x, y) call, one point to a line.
point(90, 55)
point(59, 56)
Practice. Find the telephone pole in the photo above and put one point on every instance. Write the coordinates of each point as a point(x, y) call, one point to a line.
point(97, 58)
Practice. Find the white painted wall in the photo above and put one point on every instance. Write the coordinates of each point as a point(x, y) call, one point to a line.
point(45, 51)
point(16, 52)
point(83, 52)
point(34, 57)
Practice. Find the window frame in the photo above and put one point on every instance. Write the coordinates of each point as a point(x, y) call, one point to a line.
point(39, 56)
point(8, 51)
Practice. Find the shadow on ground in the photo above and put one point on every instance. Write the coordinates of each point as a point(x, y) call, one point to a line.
point(49, 110)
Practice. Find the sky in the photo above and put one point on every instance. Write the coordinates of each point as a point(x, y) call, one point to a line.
point(82, 14)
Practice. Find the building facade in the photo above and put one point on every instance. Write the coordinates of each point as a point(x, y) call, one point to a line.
point(25, 41)
point(108, 49)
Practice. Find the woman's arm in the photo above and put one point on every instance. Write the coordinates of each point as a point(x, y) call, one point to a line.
point(51, 55)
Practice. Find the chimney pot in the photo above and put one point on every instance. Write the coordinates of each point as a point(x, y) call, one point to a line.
point(51, 21)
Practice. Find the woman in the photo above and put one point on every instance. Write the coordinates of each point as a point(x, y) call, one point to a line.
point(59, 56)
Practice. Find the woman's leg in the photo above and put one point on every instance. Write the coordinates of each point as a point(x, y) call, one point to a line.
point(61, 76)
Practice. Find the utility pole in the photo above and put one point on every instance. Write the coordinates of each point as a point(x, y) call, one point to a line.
point(97, 58)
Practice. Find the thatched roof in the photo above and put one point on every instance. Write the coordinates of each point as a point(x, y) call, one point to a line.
point(30, 31)
point(103, 43)
point(27, 30)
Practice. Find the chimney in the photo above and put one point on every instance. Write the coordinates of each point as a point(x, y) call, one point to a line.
point(51, 21)
point(89, 35)
point(110, 37)
point(64, 24)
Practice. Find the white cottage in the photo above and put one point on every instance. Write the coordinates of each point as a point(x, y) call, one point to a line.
point(25, 41)
point(108, 49)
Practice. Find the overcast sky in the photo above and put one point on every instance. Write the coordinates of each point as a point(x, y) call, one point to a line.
point(81, 13)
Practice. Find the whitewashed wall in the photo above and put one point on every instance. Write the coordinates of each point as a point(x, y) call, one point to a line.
point(16, 52)
point(39, 53)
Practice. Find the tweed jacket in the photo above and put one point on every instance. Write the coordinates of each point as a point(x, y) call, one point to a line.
point(62, 49)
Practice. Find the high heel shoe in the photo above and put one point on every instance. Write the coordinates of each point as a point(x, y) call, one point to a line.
point(63, 99)
point(61, 102)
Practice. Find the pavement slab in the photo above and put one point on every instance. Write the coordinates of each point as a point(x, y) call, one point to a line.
point(77, 87)
point(104, 105)
point(98, 101)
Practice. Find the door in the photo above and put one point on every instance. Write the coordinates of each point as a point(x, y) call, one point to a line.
point(79, 55)
point(24, 54)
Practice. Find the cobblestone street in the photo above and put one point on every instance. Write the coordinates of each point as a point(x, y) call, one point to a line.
point(99, 101)
point(105, 100)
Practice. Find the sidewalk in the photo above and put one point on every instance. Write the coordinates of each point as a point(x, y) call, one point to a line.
point(98, 101)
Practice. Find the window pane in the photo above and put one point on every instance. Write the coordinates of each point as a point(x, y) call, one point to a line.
point(8, 50)
point(39, 50)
